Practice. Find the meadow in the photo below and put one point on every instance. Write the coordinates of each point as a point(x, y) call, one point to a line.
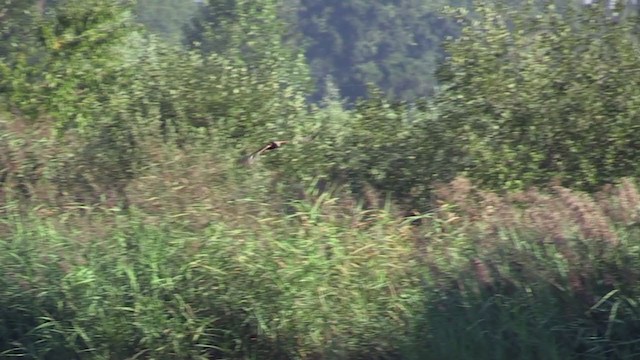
point(207, 262)
point(498, 218)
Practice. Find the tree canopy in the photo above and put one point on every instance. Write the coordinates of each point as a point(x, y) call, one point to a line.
point(534, 93)
point(393, 45)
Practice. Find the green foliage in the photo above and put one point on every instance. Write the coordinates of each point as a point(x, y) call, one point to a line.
point(158, 291)
point(80, 68)
point(253, 83)
point(166, 17)
point(250, 31)
point(91, 59)
point(237, 104)
point(530, 275)
point(16, 21)
point(106, 87)
point(534, 94)
point(391, 147)
point(519, 298)
point(18, 43)
point(314, 284)
point(281, 261)
point(394, 45)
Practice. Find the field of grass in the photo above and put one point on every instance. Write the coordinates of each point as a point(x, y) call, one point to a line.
point(131, 227)
point(203, 264)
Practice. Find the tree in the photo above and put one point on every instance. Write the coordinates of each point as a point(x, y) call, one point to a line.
point(393, 45)
point(16, 20)
point(534, 94)
point(84, 83)
point(166, 17)
point(395, 148)
point(255, 84)
point(18, 43)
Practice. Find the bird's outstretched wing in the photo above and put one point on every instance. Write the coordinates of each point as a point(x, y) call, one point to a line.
point(251, 158)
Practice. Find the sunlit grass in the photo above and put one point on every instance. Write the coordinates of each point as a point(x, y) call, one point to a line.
point(281, 290)
point(214, 262)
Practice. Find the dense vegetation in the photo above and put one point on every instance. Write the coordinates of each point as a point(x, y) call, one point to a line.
point(394, 45)
point(495, 219)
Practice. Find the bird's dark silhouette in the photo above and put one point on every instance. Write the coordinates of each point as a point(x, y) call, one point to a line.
point(253, 157)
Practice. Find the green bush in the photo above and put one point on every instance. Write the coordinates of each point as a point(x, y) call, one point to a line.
point(384, 147)
point(536, 93)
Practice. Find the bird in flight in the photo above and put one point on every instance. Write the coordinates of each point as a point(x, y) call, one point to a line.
point(251, 158)
point(254, 156)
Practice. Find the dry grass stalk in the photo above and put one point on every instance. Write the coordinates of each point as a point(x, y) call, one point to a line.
point(621, 203)
point(590, 219)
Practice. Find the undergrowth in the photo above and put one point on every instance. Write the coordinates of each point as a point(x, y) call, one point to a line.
point(194, 258)
point(278, 290)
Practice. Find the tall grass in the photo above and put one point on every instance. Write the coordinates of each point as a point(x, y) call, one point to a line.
point(284, 291)
point(209, 261)
point(532, 276)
